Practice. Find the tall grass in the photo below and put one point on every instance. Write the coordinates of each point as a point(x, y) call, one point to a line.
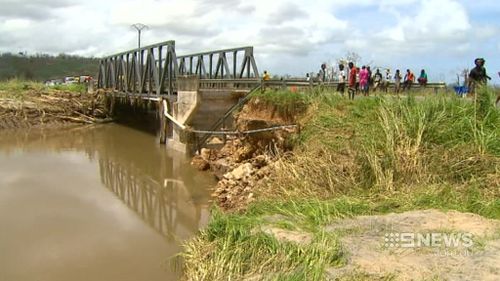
point(366, 156)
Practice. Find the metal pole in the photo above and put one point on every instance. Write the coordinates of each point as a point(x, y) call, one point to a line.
point(139, 27)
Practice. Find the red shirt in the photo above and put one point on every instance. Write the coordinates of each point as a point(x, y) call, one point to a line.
point(352, 77)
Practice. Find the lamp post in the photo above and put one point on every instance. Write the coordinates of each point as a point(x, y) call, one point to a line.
point(139, 27)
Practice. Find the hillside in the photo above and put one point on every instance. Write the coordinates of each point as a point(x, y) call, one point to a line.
point(44, 67)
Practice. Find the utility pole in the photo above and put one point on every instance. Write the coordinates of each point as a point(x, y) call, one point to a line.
point(139, 27)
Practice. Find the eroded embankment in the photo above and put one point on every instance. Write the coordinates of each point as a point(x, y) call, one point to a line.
point(245, 161)
point(35, 108)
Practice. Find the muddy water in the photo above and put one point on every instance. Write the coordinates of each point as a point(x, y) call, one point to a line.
point(95, 203)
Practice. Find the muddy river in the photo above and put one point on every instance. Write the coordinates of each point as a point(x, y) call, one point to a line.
point(95, 203)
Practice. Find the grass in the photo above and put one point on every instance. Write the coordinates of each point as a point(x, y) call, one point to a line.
point(361, 157)
point(15, 88)
point(286, 103)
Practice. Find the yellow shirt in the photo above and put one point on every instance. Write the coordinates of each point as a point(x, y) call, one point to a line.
point(266, 77)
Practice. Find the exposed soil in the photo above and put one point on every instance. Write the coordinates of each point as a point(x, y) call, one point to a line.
point(371, 255)
point(244, 162)
point(57, 108)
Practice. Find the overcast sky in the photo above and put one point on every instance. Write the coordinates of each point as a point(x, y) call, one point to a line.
point(289, 36)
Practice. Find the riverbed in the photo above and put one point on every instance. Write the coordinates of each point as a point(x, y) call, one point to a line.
point(102, 202)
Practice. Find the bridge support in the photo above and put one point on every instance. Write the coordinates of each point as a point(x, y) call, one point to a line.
point(183, 111)
point(163, 119)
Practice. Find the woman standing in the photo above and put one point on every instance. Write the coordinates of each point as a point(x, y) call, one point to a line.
point(397, 81)
point(364, 77)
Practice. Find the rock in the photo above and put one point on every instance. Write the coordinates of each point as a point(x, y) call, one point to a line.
point(244, 153)
point(242, 171)
point(205, 153)
point(200, 163)
point(259, 161)
point(220, 168)
point(215, 140)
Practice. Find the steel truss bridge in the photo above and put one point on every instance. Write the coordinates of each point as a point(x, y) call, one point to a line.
point(153, 70)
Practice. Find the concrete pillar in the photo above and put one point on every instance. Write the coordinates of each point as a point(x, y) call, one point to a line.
point(163, 122)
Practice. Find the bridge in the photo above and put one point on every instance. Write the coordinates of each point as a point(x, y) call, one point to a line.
point(152, 71)
point(197, 91)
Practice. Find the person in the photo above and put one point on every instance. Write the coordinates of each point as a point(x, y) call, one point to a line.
point(322, 73)
point(370, 80)
point(341, 77)
point(358, 70)
point(266, 76)
point(498, 96)
point(408, 80)
point(397, 81)
point(377, 79)
point(387, 80)
point(364, 78)
point(308, 77)
point(352, 80)
point(422, 80)
point(477, 76)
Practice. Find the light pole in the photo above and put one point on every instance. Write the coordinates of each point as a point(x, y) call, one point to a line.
point(139, 27)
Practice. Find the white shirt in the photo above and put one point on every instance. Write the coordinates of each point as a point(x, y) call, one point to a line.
point(342, 76)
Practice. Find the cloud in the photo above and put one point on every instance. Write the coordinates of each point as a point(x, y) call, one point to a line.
point(286, 13)
point(33, 9)
point(291, 35)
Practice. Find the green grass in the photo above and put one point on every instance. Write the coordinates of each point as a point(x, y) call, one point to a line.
point(286, 103)
point(362, 157)
point(16, 88)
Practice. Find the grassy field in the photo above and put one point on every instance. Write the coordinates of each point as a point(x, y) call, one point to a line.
point(361, 157)
point(16, 88)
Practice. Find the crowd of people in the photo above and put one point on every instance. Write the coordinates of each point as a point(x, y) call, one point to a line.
point(362, 80)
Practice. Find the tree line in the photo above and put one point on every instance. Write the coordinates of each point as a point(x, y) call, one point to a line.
point(42, 67)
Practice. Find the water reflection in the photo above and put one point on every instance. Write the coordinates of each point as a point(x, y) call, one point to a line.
point(111, 192)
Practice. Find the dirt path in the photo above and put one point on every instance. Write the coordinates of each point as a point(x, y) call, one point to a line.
point(419, 245)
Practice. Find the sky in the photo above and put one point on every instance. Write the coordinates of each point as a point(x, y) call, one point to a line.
point(289, 36)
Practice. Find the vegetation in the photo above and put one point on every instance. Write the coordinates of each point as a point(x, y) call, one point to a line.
point(27, 104)
point(16, 88)
point(44, 67)
point(367, 156)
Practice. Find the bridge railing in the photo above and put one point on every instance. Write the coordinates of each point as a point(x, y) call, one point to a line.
point(151, 70)
point(297, 83)
point(232, 63)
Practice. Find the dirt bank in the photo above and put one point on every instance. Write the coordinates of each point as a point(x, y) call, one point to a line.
point(244, 162)
point(34, 108)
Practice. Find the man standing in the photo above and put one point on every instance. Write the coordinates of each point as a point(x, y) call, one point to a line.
point(408, 80)
point(342, 78)
point(322, 73)
point(352, 80)
point(478, 76)
point(377, 80)
point(387, 80)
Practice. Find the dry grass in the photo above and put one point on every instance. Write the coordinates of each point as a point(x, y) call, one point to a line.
point(368, 156)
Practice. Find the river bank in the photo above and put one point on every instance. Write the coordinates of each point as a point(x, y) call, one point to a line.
point(319, 205)
point(29, 104)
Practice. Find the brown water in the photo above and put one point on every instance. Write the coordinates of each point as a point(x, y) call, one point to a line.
point(95, 203)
